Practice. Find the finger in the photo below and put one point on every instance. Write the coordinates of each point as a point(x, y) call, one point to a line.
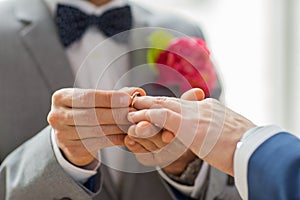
point(146, 132)
point(194, 94)
point(153, 133)
point(134, 146)
point(132, 90)
point(95, 144)
point(157, 140)
point(167, 136)
point(88, 98)
point(82, 152)
point(147, 102)
point(142, 155)
point(93, 116)
point(143, 129)
point(147, 144)
point(162, 118)
point(79, 133)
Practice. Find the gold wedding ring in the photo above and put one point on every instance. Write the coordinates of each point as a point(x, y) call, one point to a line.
point(136, 94)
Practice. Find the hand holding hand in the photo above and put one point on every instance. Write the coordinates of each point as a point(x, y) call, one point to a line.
point(151, 144)
point(207, 127)
point(85, 121)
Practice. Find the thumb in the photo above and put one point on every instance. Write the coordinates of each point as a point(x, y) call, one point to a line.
point(194, 94)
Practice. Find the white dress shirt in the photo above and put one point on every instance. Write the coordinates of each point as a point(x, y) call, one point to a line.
point(99, 73)
point(250, 141)
point(90, 59)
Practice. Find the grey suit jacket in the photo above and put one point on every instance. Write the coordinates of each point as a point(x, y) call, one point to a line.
point(32, 66)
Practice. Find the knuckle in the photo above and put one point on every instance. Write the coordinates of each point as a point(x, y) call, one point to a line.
point(84, 97)
point(66, 115)
point(53, 118)
point(112, 99)
point(58, 96)
point(161, 100)
point(210, 101)
point(56, 118)
point(174, 99)
point(206, 104)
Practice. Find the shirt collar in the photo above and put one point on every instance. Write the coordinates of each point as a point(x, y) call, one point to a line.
point(85, 6)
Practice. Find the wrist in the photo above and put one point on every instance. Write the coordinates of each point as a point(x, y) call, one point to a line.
point(178, 166)
point(82, 162)
point(189, 174)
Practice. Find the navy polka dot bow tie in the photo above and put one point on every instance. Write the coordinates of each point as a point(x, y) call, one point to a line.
point(72, 22)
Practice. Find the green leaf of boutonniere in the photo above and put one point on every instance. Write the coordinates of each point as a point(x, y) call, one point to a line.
point(158, 42)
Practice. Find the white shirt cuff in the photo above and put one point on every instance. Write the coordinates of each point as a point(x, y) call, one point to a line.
point(250, 141)
point(78, 174)
point(192, 191)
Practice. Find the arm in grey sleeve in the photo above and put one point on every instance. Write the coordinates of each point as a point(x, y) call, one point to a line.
point(32, 172)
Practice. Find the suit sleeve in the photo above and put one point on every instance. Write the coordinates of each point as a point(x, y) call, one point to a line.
point(32, 172)
point(274, 169)
point(267, 165)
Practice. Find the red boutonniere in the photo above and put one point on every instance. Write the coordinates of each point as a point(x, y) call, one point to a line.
point(183, 62)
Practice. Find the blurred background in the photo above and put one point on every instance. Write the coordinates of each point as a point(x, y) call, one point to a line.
point(256, 45)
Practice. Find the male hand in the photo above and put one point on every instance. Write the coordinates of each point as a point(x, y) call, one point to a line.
point(208, 128)
point(151, 144)
point(85, 121)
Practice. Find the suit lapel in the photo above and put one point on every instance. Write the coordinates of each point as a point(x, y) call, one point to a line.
point(40, 37)
point(108, 184)
point(128, 185)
